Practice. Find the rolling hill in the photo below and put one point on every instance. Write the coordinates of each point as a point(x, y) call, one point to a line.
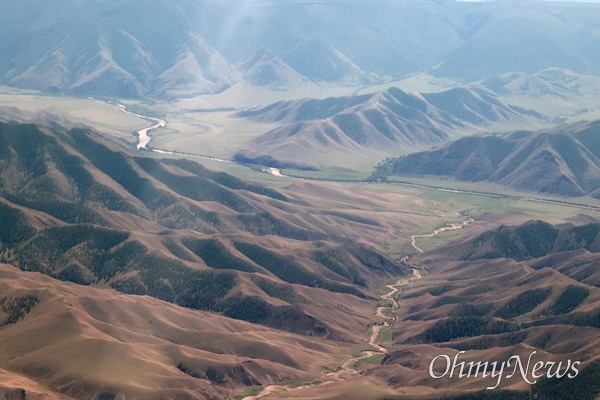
point(554, 82)
point(172, 246)
point(81, 342)
point(563, 161)
point(134, 276)
point(533, 240)
point(78, 210)
point(131, 50)
point(494, 307)
point(381, 123)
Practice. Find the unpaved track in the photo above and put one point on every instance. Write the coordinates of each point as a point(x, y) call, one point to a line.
point(346, 369)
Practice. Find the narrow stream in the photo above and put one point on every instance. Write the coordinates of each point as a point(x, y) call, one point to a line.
point(346, 366)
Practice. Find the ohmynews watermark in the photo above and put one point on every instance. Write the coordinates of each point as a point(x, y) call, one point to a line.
point(530, 371)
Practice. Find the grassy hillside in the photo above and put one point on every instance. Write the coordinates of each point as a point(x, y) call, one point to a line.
point(562, 161)
point(493, 308)
point(109, 344)
point(388, 122)
point(134, 224)
point(533, 240)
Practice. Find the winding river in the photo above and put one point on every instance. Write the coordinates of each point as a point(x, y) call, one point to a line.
point(144, 139)
point(143, 134)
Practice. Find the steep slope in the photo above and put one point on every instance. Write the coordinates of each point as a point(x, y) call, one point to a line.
point(116, 50)
point(79, 210)
point(326, 63)
point(531, 240)
point(131, 50)
point(520, 38)
point(563, 161)
point(493, 308)
point(264, 68)
point(87, 342)
point(464, 105)
point(384, 122)
point(549, 82)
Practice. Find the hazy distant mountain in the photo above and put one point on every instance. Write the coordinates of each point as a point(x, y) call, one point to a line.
point(266, 69)
point(549, 82)
point(166, 49)
point(387, 122)
point(563, 161)
point(520, 38)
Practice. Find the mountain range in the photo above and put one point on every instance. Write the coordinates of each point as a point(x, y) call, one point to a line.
point(93, 229)
point(171, 50)
point(312, 131)
point(530, 241)
point(539, 303)
point(563, 161)
point(508, 291)
point(556, 82)
point(79, 210)
point(124, 274)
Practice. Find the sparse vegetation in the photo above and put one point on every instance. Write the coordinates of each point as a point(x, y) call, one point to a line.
point(569, 300)
point(286, 269)
point(14, 228)
point(472, 310)
point(187, 370)
point(194, 187)
point(333, 260)
point(457, 327)
point(523, 303)
point(248, 391)
point(216, 255)
point(214, 375)
point(385, 334)
point(17, 307)
point(277, 290)
point(263, 223)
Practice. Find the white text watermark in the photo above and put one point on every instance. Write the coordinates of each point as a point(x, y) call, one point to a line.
point(529, 370)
